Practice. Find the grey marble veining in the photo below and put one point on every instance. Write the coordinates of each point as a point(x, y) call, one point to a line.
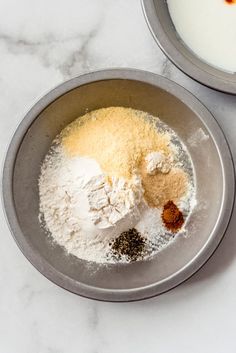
point(42, 44)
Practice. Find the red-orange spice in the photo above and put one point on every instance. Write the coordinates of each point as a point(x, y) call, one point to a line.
point(230, 1)
point(172, 217)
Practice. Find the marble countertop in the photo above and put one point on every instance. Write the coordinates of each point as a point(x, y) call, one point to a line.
point(41, 45)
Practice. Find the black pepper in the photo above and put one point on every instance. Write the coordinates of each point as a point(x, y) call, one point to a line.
point(130, 243)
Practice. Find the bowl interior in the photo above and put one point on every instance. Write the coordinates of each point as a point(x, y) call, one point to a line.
point(163, 29)
point(193, 132)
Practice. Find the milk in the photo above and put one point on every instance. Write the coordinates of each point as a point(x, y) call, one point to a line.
point(208, 28)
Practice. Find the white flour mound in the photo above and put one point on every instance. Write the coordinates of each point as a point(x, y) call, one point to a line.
point(111, 203)
point(79, 207)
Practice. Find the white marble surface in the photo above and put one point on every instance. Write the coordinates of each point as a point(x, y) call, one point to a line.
point(43, 43)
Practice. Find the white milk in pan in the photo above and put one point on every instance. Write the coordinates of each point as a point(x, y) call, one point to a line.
point(208, 27)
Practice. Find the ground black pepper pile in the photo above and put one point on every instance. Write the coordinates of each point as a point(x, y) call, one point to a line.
point(130, 244)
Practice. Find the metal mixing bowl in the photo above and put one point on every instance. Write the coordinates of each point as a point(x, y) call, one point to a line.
point(212, 164)
point(161, 26)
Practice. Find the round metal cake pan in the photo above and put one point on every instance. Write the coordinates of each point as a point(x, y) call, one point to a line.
point(213, 169)
point(162, 28)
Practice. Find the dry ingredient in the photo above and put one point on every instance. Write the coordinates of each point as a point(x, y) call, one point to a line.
point(151, 226)
point(117, 138)
point(160, 188)
point(110, 202)
point(130, 244)
point(158, 162)
point(105, 181)
point(172, 217)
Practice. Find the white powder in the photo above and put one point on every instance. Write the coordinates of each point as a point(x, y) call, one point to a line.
point(151, 226)
point(157, 162)
point(75, 215)
point(112, 202)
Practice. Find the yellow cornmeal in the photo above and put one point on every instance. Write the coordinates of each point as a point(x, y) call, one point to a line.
point(117, 138)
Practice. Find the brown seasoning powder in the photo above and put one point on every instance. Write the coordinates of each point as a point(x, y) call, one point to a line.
point(160, 188)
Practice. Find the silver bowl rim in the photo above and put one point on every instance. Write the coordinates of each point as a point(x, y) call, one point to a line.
point(153, 289)
point(199, 74)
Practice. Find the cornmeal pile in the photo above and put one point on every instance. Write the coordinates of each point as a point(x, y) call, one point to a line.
point(117, 138)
